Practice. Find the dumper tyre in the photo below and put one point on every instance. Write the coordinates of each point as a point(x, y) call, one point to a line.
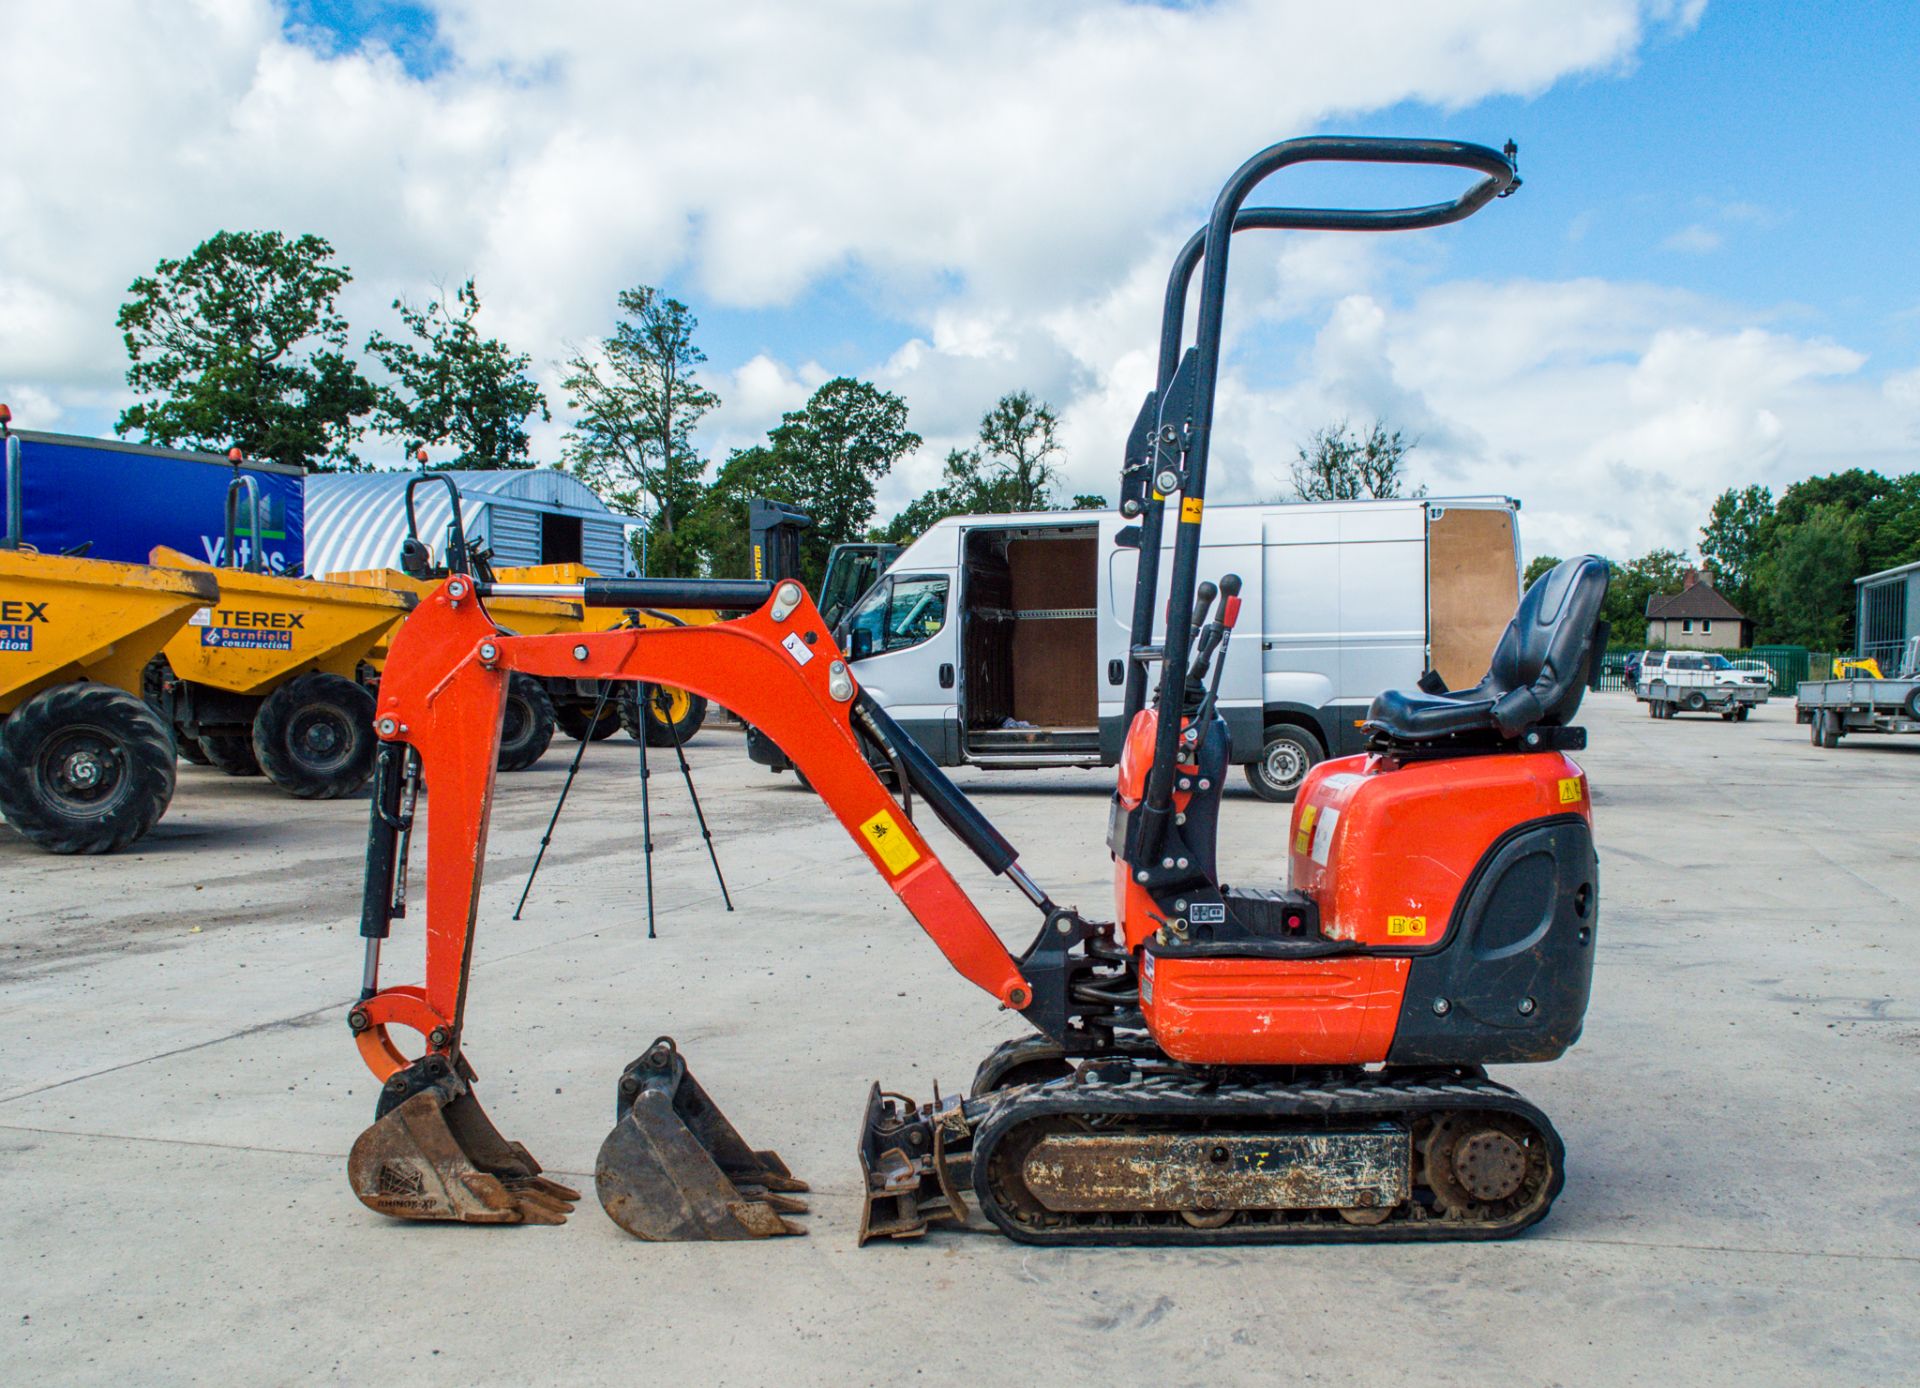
point(314, 737)
point(231, 753)
point(88, 769)
point(1287, 754)
point(681, 719)
point(188, 749)
point(577, 721)
point(527, 723)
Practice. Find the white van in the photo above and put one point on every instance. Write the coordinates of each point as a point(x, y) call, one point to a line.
point(1001, 641)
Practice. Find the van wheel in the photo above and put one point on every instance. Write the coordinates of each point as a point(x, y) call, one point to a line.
point(1286, 757)
point(231, 753)
point(526, 724)
point(577, 721)
point(314, 737)
point(89, 769)
point(1696, 701)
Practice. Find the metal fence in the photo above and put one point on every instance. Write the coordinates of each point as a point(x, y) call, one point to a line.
point(1790, 665)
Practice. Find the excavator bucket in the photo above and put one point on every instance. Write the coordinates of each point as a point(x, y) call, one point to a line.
point(674, 1169)
point(432, 1153)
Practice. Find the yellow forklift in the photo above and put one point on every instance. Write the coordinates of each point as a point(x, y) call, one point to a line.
point(265, 680)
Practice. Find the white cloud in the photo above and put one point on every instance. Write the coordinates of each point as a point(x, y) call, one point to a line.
point(1696, 239)
point(1011, 179)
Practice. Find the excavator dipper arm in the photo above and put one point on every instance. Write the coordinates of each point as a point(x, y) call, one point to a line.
point(777, 666)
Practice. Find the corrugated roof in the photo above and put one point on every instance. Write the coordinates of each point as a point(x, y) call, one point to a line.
point(1894, 572)
point(356, 520)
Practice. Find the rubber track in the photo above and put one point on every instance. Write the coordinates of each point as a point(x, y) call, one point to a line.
point(1186, 1097)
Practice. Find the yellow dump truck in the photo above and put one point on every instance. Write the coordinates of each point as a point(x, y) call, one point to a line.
point(672, 713)
point(531, 715)
point(86, 766)
point(264, 679)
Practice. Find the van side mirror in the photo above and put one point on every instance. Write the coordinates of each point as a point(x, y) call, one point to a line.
point(862, 644)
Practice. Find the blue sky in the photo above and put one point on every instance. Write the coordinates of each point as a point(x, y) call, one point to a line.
point(1705, 280)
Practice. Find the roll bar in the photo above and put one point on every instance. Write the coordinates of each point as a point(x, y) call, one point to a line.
point(16, 488)
point(458, 560)
point(256, 556)
point(1181, 420)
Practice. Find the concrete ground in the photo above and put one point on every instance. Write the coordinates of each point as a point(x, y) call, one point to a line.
point(178, 1092)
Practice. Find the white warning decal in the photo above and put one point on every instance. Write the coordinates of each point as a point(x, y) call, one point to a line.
point(798, 649)
point(1323, 835)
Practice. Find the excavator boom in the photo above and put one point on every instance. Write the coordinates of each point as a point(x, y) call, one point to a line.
point(776, 666)
point(673, 1167)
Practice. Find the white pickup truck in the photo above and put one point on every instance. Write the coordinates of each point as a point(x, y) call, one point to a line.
point(1699, 682)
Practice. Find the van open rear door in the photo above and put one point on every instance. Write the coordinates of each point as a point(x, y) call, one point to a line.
point(1473, 586)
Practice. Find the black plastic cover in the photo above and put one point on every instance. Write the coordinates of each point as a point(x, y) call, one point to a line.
point(1511, 982)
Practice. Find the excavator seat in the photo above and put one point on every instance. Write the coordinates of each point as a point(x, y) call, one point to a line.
point(1538, 675)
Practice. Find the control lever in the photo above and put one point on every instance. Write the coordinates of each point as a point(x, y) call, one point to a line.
point(1202, 600)
point(1211, 648)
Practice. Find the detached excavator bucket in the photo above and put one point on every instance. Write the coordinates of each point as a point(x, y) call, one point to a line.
point(674, 1169)
point(432, 1153)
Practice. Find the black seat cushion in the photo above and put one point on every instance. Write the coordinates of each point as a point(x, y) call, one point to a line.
point(1539, 669)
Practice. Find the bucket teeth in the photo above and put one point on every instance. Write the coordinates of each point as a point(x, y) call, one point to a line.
point(674, 1169)
point(432, 1153)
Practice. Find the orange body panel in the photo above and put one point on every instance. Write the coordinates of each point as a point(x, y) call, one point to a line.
point(1133, 908)
point(1386, 849)
point(1273, 1011)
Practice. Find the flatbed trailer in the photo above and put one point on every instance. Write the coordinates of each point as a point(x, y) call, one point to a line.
point(1833, 708)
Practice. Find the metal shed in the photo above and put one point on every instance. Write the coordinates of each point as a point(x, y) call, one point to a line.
point(1889, 612)
point(526, 516)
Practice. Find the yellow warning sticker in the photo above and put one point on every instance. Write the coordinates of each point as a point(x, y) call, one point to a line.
point(890, 842)
point(1413, 926)
point(1190, 509)
point(1570, 790)
point(1304, 835)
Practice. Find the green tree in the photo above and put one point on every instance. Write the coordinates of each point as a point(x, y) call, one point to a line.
point(1807, 581)
point(1539, 564)
point(964, 490)
point(1337, 465)
point(717, 527)
point(1653, 574)
point(637, 404)
point(836, 446)
point(1730, 541)
point(1018, 438)
point(239, 343)
point(451, 385)
point(1009, 469)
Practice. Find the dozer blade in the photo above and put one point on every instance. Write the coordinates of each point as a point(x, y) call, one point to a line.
point(674, 1169)
point(914, 1160)
point(432, 1153)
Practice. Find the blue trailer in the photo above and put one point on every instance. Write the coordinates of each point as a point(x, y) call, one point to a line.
point(113, 500)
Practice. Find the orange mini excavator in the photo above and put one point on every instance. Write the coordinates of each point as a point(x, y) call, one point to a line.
point(1215, 1065)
